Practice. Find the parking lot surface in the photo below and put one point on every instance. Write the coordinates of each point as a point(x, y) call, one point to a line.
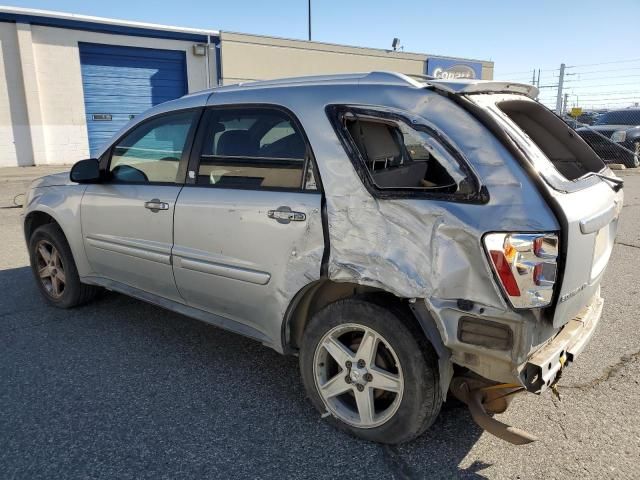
point(122, 389)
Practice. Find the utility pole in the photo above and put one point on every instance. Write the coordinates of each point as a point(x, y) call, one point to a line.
point(566, 103)
point(309, 17)
point(560, 85)
point(533, 79)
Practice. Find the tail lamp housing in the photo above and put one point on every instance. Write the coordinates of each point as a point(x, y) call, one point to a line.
point(525, 265)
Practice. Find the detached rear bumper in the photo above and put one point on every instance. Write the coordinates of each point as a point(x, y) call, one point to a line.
point(543, 367)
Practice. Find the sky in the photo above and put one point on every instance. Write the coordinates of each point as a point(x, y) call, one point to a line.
point(518, 36)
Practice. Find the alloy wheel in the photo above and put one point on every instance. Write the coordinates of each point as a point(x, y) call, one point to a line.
point(358, 375)
point(50, 269)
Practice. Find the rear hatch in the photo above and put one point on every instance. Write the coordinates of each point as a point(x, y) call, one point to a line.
point(570, 176)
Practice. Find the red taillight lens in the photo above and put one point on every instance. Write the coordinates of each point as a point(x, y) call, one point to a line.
point(525, 264)
point(503, 269)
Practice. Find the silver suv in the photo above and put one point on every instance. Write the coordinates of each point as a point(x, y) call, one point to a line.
point(405, 237)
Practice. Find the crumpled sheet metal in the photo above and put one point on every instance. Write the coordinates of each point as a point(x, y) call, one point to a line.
point(412, 248)
point(302, 264)
point(423, 248)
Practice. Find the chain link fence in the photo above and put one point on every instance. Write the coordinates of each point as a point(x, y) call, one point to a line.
point(614, 135)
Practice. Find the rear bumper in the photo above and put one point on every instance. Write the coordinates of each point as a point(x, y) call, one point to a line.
point(544, 366)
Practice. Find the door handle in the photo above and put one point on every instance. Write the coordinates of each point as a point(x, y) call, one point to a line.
point(286, 215)
point(156, 205)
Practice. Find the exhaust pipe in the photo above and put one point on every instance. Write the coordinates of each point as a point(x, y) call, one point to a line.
point(479, 397)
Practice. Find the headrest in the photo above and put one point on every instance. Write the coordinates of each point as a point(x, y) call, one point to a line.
point(237, 143)
point(377, 140)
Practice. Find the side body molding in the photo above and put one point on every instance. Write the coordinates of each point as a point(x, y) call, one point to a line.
point(222, 270)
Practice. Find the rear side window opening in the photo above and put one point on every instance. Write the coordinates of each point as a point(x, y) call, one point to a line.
point(396, 157)
point(569, 154)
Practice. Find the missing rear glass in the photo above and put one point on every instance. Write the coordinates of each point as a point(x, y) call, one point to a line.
point(568, 153)
point(398, 156)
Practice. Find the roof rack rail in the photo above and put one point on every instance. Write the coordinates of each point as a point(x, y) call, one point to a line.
point(383, 77)
point(421, 76)
point(415, 80)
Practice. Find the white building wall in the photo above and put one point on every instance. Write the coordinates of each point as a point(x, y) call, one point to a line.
point(15, 138)
point(60, 79)
point(42, 116)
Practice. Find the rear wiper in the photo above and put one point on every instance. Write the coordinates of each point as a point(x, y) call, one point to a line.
point(617, 183)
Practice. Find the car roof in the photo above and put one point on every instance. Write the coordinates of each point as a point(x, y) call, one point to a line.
point(383, 78)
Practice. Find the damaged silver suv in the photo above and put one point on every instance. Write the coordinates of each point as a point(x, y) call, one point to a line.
point(407, 238)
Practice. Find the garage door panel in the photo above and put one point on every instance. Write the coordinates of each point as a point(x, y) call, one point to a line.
point(133, 73)
point(122, 82)
point(90, 82)
point(132, 93)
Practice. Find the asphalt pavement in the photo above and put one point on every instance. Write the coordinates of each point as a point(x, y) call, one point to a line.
point(122, 389)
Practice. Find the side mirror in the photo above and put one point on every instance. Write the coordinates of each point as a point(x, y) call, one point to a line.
point(86, 171)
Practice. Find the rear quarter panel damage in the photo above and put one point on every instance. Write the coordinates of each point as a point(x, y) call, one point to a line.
point(426, 249)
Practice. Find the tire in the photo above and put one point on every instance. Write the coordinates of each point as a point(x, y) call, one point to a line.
point(404, 364)
point(57, 276)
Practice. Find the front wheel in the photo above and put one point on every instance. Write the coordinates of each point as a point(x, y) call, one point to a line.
point(371, 371)
point(54, 269)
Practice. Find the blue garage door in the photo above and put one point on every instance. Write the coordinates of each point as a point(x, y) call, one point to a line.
point(122, 82)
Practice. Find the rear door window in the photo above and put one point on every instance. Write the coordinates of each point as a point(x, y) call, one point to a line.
point(253, 148)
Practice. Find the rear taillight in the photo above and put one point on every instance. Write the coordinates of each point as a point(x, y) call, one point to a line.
point(526, 266)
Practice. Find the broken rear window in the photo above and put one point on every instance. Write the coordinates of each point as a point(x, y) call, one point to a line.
point(568, 153)
point(399, 155)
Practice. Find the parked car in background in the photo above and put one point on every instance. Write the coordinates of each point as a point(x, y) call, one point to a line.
point(405, 238)
point(616, 136)
point(587, 118)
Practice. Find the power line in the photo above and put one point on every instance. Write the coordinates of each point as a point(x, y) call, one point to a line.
point(605, 63)
point(600, 78)
point(604, 85)
point(517, 73)
point(557, 84)
point(595, 99)
point(598, 95)
point(528, 71)
point(606, 70)
point(607, 92)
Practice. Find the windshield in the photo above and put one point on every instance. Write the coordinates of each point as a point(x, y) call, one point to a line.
point(621, 117)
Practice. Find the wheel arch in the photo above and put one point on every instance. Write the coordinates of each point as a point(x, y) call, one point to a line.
point(314, 296)
point(309, 300)
point(35, 219)
point(68, 220)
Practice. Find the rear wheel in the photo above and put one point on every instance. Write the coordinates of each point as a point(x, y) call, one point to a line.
point(371, 371)
point(54, 269)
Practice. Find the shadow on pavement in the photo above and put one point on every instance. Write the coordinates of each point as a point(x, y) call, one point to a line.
point(123, 389)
